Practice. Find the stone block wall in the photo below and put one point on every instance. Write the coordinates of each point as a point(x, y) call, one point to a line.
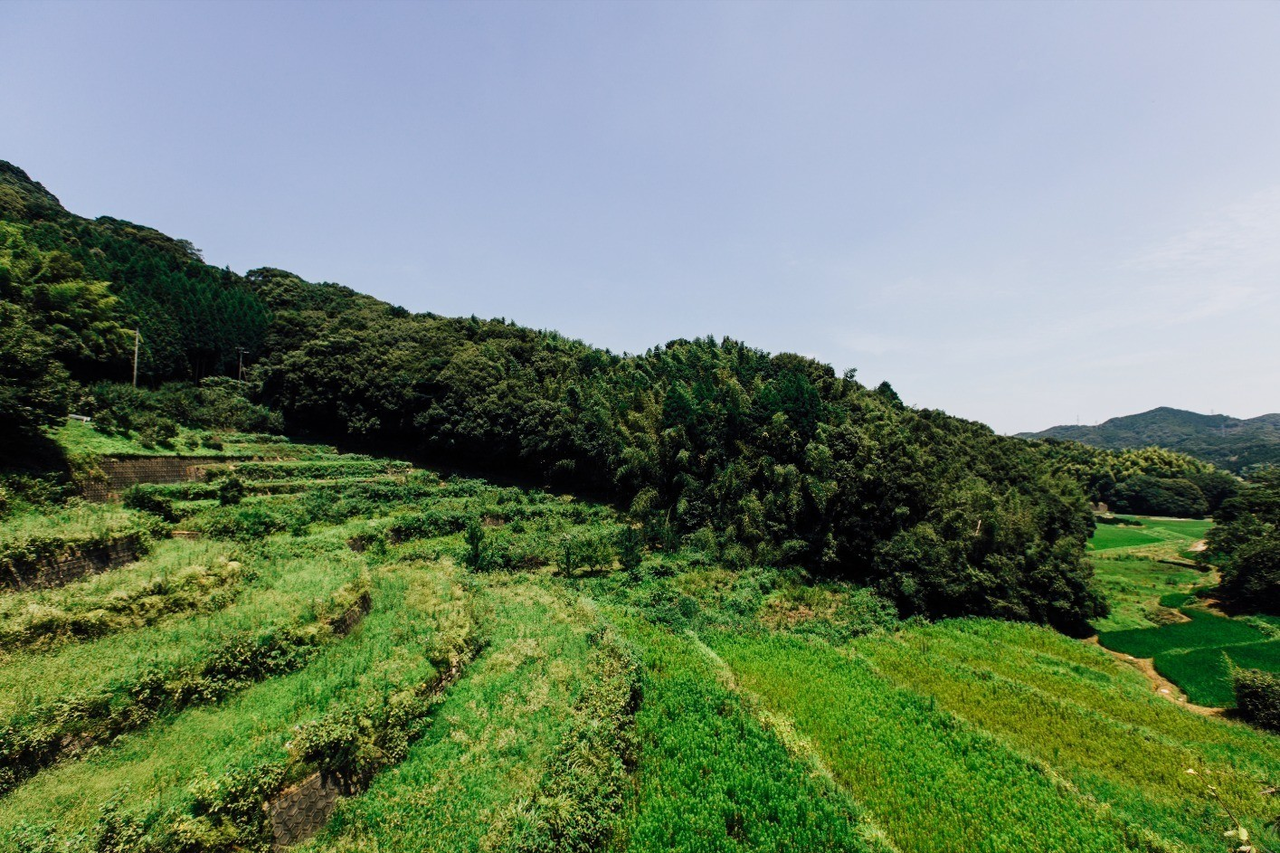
point(73, 564)
point(120, 474)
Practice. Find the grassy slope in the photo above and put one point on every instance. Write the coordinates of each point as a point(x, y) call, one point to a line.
point(418, 615)
point(931, 781)
point(1068, 706)
point(968, 735)
point(488, 740)
point(713, 778)
point(293, 581)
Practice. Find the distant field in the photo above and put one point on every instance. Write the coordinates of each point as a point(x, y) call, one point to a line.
point(1176, 531)
point(1145, 575)
point(1137, 565)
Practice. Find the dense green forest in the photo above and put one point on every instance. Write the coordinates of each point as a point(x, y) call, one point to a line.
point(1245, 544)
point(1144, 481)
point(1230, 443)
point(773, 458)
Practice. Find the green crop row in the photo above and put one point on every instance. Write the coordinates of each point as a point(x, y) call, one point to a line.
point(1138, 772)
point(1066, 668)
point(1204, 630)
point(176, 577)
point(198, 780)
point(1204, 674)
point(930, 780)
point(711, 777)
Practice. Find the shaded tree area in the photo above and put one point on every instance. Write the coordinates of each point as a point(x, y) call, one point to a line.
point(1148, 481)
point(782, 461)
point(1245, 544)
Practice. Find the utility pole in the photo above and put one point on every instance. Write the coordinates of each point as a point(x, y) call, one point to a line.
point(137, 339)
point(240, 374)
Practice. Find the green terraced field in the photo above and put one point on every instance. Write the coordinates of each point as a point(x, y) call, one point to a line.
point(521, 692)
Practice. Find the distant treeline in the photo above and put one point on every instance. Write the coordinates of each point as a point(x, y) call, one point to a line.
point(1149, 481)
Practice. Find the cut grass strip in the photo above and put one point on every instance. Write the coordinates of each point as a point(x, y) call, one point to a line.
point(711, 777)
point(419, 626)
point(930, 781)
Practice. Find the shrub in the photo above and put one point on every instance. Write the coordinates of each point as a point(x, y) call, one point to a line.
point(1257, 697)
point(630, 546)
point(476, 556)
point(144, 499)
point(231, 491)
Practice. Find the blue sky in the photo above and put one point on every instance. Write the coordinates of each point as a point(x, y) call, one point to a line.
point(1021, 213)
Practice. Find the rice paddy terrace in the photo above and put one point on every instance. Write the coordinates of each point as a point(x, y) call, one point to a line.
point(342, 653)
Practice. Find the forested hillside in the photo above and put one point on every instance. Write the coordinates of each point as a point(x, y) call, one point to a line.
point(1147, 481)
point(765, 459)
point(1227, 442)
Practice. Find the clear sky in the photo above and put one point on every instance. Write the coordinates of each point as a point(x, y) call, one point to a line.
point(1023, 213)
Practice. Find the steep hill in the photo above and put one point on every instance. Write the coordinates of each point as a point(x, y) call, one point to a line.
point(1227, 442)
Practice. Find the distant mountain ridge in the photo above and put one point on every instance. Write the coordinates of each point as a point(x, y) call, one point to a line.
point(1227, 442)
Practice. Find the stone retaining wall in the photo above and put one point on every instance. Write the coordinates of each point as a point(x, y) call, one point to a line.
point(120, 474)
point(73, 564)
point(299, 812)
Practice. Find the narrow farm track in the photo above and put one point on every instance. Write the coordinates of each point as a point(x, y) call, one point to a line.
point(1160, 685)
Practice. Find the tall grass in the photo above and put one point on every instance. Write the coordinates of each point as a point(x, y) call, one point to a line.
point(488, 743)
point(711, 777)
point(932, 782)
point(419, 623)
point(176, 576)
point(1089, 736)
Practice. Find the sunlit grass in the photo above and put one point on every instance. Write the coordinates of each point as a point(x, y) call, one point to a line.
point(419, 616)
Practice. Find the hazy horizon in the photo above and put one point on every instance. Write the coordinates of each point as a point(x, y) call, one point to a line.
point(1027, 215)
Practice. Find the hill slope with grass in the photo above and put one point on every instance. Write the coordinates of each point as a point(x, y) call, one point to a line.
point(419, 663)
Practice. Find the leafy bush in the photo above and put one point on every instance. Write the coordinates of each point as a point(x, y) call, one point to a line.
point(148, 500)
point(230, 491)
point(1257, 697)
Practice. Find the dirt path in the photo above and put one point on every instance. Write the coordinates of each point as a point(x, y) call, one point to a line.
point(1161, 685)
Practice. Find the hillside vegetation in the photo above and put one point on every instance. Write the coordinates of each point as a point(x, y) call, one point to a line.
point(1229, 443)
point(520, 674)
point(775, 458)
